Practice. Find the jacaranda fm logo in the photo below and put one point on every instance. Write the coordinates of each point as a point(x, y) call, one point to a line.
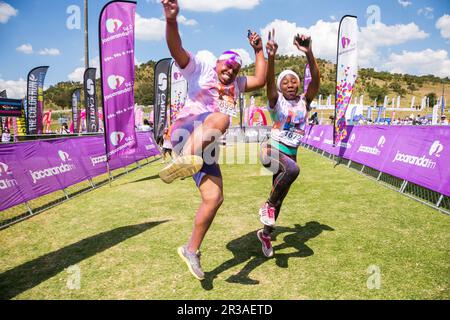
point(90, 87)
point(62, 168)
point(345, 42)
point(162, 81)
point(435, 149)
point(63, 155)
point(381, 142)
point(114, 82)
point(116, 138)
point(113, 25)
point(98, 160)
point(4, 169)
point(373, 150)
point(6, 183)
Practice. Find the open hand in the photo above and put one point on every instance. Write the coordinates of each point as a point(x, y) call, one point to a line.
point(171, 9)
point(271, 46)
point(299, 43)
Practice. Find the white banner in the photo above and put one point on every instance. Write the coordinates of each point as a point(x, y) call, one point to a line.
point(347, 72)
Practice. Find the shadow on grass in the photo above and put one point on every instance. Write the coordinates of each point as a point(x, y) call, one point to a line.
point(30, 274)
point(248, 248)
point(156, 176)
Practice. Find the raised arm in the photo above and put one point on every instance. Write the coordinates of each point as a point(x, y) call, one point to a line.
point(315, 73)
point(271, 49)
point(171, 10)
point(258, 80)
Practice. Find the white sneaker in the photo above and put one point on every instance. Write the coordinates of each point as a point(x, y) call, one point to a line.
point(267, 248)
point(181, 167)
point(267, 215)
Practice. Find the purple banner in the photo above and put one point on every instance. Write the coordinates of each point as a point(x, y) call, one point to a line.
point(117, 70)
point(29, 170)
point(307, 78)
point(418, 154)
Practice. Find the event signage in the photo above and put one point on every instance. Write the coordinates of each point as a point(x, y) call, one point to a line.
point(35, 99)
point(347, 72)
point(76, 112)
point(418, 154)
point(162, 74)
point(117, 24)
point(308, 78)
point(10, 107)
point(90, 100)
point(178, 92)
point(32, 169)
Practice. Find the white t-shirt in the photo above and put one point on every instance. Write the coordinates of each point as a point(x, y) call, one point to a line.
point(289, 120)
point(206, 93)
point(6, 137)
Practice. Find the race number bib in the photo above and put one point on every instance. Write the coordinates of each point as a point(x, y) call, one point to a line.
point(290, 138)
point(227, 108)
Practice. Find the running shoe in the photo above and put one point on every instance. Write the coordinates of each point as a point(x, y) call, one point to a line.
point(193, 262)
point(181, 167)
point(267, 248)
point(267, 215)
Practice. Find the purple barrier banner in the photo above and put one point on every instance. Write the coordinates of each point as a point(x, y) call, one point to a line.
point(117, 73)
point(418, 154)
point(29, 170)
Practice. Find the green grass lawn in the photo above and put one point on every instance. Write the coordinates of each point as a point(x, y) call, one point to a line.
point(335, 227)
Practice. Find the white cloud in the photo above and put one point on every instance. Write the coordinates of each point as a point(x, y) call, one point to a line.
point(150, 29)
point(187, 22)
point(443, 24)
point(207, 56)
point(420, 63)
point(25, 48)
point(78, 74)
point(246, 59)
point(380, 35)
point(49, 52)
point(14, 89)
point(324, 36)
point(6, 12)
point(154, 29)
point(404, 4)
point(217, 5)
point(427, 12)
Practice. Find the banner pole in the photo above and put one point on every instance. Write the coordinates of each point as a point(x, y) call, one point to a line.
point(109, 173)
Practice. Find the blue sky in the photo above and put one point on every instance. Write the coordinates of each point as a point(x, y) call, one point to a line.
point(411, 36)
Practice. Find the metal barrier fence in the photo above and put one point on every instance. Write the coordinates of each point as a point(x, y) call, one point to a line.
point(426, 196)
point(31, 208)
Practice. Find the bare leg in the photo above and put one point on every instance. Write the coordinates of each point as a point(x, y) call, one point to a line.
point(214, 126)
point(211, 190)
